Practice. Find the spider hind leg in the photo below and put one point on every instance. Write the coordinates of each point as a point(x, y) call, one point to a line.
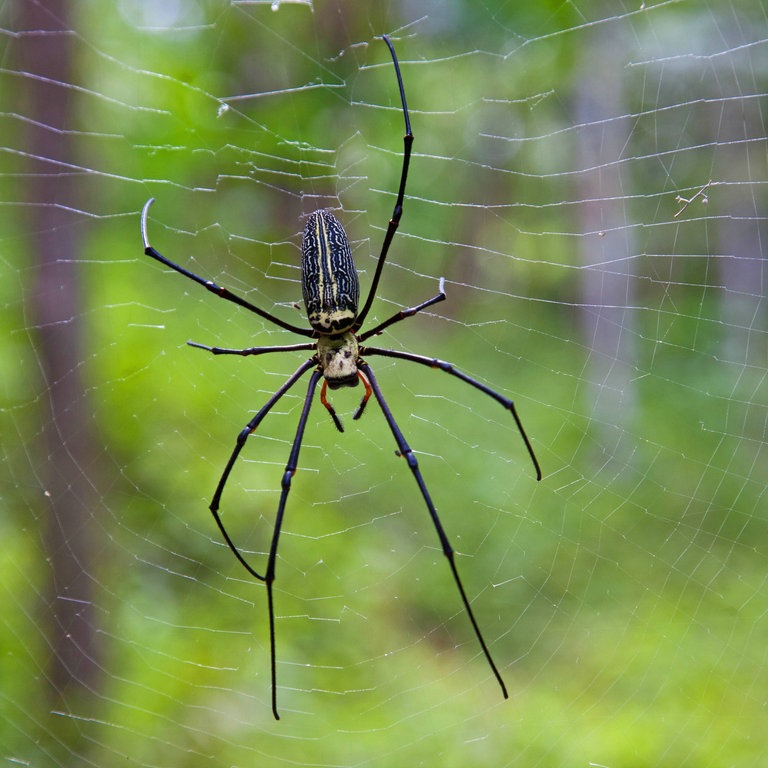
point(404, 450)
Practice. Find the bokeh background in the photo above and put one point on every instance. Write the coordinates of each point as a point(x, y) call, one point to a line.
point(590, 179)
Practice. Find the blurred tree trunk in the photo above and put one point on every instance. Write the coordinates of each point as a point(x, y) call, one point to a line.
point(742, 233)
point(65, 460)
point(607, 298)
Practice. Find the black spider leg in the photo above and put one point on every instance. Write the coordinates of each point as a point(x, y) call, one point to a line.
point(432, 362)
point(403, 313)
point(398, 209)
point(290, 470)
point(405, 451)
point(269, 576)
point(396, 318)
point(253, 350)
point(292, 348)
point(217, 290)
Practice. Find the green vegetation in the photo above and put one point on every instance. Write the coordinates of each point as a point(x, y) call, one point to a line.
point(623, 596)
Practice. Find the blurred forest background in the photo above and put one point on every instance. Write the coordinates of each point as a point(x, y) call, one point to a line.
point(590, 178)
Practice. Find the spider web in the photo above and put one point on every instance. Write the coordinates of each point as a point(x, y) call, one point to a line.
point(590, 179)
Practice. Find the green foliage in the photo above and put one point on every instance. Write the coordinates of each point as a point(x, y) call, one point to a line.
point(623, 596)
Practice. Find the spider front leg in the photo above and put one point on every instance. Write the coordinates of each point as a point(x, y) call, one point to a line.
point(209, 285)
point(403, 313)
point(397, 211)
point(253, 350)
point(405, 451)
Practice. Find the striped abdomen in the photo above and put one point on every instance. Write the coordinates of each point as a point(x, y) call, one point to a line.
point(328, 275)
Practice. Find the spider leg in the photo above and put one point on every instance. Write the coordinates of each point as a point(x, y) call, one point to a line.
point(397, 212)
point(249, 428)
point(405, 451)
point(217, 290)
point(432, 362)
point(403, 313)
point(290, 471)
point(269, 576)
point(366, 397)
point(253, 350)
point(332, 411)
point(328, 407)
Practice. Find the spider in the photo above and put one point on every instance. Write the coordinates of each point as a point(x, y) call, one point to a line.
point(331, 290)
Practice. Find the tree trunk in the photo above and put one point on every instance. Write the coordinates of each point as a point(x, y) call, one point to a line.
point(65, 458)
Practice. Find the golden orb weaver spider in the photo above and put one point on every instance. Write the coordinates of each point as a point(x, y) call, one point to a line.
point(331, 292)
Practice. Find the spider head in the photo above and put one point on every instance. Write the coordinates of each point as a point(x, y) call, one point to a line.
point(337, 357)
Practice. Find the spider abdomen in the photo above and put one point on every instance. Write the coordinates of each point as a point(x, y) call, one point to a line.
point(329, 280)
